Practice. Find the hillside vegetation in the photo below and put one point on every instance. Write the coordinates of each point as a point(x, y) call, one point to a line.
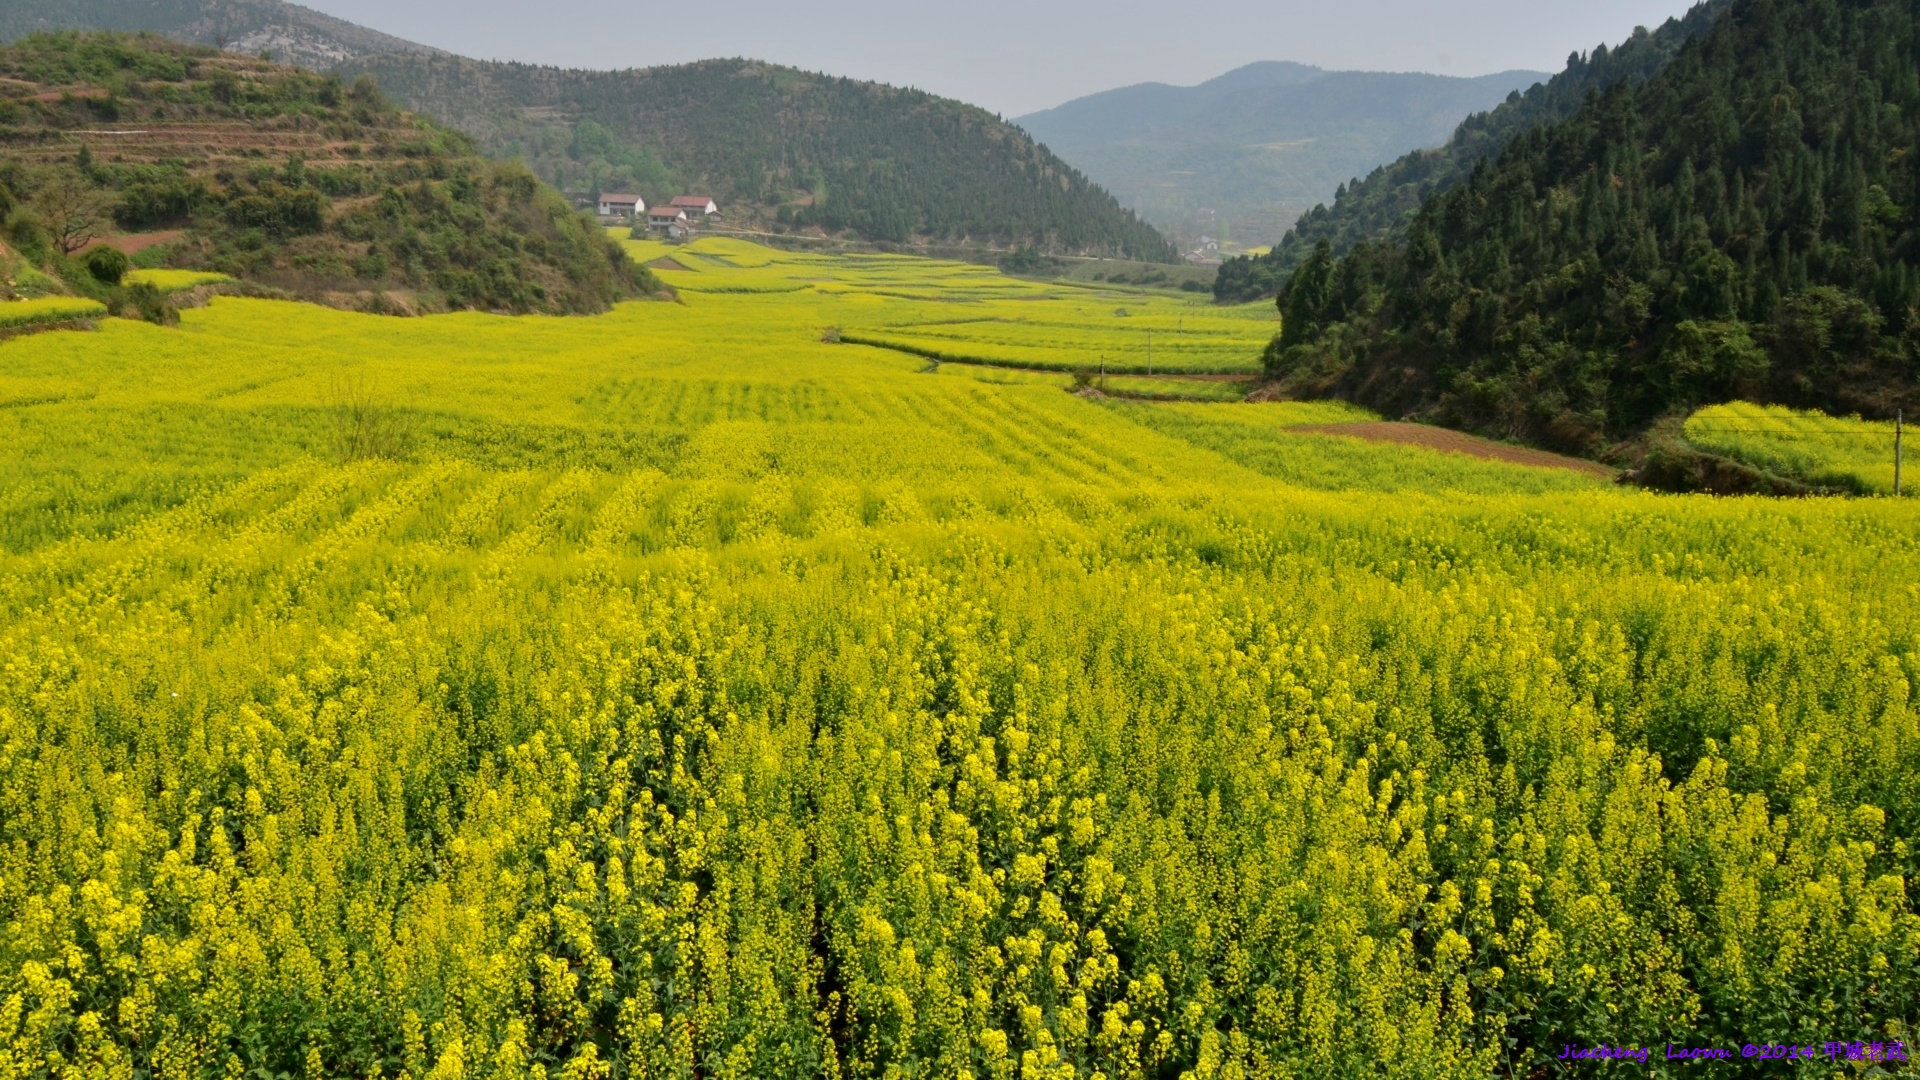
point(681, 692)
point(780, 149)
point(1259, 145)
point(282, 177)
point(1380, 206)
point(1744, 224)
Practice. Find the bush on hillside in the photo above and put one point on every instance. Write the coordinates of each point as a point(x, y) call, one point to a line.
point(107, 265)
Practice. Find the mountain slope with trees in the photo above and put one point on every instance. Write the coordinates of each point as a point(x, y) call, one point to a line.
point(293, 180)
point(1380, 206)
point(1746, 223)
point(781, 147)
point(1247, 152)
point(290, 33)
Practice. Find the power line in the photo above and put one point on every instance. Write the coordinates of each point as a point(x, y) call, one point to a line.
point(1887, 434)
point(1803, 430)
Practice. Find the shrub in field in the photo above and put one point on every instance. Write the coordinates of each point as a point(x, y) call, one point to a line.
point(107, 265)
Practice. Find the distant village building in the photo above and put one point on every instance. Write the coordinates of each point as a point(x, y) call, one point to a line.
point(625, 206)
point(697, 206)
point(668, 220)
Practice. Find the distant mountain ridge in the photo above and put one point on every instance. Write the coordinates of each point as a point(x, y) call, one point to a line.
point(1130, 111)
point(1259, 144)
point(291, 33)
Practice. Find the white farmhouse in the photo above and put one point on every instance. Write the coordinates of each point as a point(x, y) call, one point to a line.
point(697, 206)
point(622, 206)
point(667, 219)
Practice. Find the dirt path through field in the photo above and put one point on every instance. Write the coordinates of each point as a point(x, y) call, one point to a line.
point(1459, 442)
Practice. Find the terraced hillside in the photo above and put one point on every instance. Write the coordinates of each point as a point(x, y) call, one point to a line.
point(282, 177)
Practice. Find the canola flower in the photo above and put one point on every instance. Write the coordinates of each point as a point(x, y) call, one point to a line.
point(168, 281)
point(677, 693)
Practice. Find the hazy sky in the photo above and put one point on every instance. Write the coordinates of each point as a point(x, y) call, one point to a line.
point(1019, 56)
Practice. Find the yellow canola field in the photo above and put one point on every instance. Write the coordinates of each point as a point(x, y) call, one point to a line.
point(21, 313)
point(679, 692)
point(967, 313)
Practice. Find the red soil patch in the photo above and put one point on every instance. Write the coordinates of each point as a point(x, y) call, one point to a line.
point(86, 93)
point(1458, 442)
point(134, 243)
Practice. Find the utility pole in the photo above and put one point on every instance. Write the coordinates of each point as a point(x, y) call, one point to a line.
point(1898, 422)
point(1149, 353)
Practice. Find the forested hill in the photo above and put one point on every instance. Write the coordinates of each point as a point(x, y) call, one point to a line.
point(203, 160)
point(1746, 223)
point(779, 147)
point(1380, 206)
point(290, 33)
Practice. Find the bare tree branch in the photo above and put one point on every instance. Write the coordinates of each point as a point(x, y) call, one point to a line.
point(73, 211)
